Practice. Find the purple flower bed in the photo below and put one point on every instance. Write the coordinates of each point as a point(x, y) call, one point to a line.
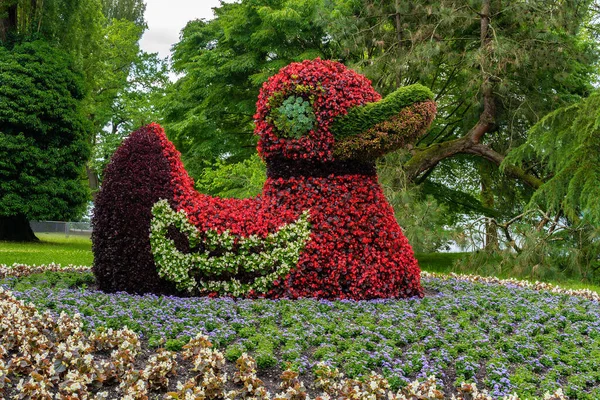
point(504, 338)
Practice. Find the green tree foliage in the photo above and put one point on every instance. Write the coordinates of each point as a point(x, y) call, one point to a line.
point(425, 221)
point(103, 38)
point(126, 84)
point(223, 62)
point(133, 106)
point(558, 234)
point(238, 180)
point(43, 137)
point(116, 54)
point(73, 25)
point(129, 10)
point(495, 67)
point(565, 148)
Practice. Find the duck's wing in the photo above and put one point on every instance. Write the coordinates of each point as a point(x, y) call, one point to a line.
point(223, 262)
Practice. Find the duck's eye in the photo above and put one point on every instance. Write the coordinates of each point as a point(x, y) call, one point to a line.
point(294, 118)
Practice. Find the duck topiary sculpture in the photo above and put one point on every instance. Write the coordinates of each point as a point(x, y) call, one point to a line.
point(321, 227)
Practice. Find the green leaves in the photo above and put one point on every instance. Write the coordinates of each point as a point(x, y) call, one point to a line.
point(238, 180)
point(566, 144)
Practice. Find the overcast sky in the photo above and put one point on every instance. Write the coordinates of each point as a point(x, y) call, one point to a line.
point(166, 18)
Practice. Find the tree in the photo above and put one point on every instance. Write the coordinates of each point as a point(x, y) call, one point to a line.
point(110, 77)
point(496, 68)
point(125, 84)
point(209, 111)
point(557, 234)
point(103, 38)
point(72, 25)
point(8, 19)
point(564, 147)
point(129, 10)
point(135, 105)
point(43, 138)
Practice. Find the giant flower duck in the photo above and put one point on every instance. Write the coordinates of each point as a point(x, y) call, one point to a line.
point(321, 227)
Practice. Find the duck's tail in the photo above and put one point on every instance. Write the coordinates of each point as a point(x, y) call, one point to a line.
point(139, 174)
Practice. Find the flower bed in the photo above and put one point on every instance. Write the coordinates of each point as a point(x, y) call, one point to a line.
point(505, 336)
point(60, 360)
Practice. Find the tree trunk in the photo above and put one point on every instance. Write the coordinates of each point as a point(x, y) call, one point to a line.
point(426, 158)
point(16, 228)
point(399, 38)
point(92, 175)
point(9, 23)
point(93, 181)
point(487, 199)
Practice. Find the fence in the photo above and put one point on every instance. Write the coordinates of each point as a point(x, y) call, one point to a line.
point(66, 228)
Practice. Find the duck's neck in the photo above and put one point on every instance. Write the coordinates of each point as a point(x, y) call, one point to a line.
point(286, 168)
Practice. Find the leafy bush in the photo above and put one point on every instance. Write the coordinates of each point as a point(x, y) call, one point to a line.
point(43, 135)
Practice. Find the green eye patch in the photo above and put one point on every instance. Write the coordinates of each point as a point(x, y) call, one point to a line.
point(294, 118)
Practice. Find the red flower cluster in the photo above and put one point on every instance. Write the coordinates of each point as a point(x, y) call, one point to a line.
point(335, 89)
point(356, 248)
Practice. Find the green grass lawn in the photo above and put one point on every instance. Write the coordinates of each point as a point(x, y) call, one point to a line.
point(445, 263)
point(52, 248)
point(76, 250)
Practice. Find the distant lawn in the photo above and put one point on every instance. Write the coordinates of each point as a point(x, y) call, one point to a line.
point(76, 250)
point(52, 248)
point(438, 262)
point(445, 263)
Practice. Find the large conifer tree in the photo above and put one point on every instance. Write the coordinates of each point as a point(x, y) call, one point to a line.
point(43, 138)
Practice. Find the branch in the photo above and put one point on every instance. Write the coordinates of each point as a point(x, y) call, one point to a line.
point(428, 157)
point(425, 159)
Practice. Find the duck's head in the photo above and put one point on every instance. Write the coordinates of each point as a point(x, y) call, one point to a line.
point(320, 111)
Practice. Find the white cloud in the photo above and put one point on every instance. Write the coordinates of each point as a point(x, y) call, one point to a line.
point(166, 18)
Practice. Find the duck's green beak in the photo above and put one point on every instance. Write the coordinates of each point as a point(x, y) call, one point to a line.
point(374, 129)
